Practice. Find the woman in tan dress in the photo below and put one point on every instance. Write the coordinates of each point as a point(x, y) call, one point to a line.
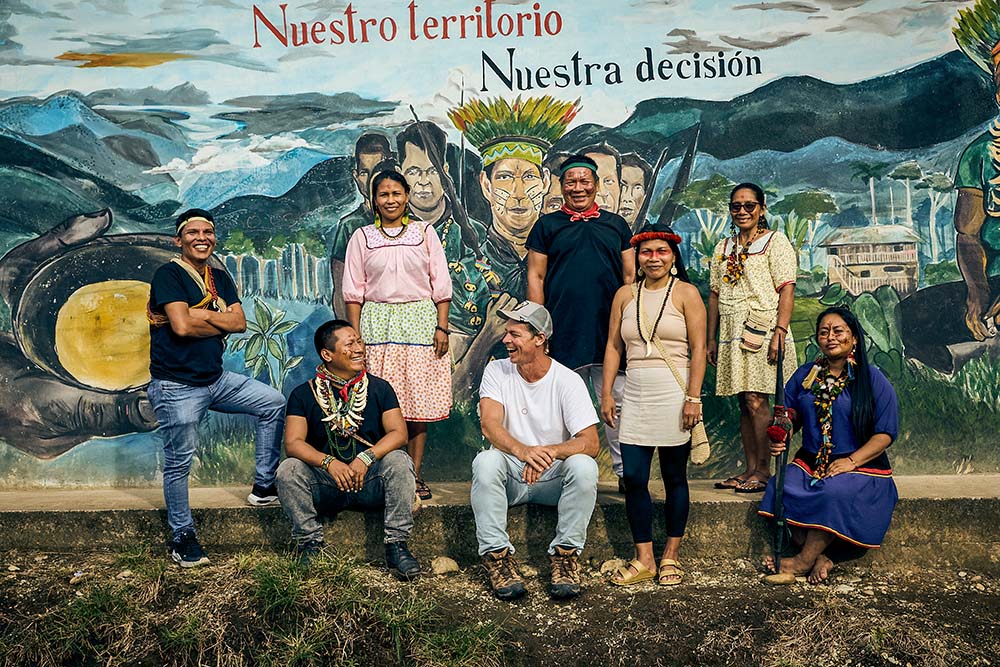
point(752, 281)
point(660, 317)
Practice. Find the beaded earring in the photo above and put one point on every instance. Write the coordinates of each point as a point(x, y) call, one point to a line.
point(851, 363)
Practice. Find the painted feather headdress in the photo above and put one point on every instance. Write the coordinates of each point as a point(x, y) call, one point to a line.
point(525, 129)
point(977, 31)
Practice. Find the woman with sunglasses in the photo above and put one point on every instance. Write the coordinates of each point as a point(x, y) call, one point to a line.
point(752, 290)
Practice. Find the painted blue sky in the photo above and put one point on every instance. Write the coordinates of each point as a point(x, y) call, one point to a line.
point(50, 45)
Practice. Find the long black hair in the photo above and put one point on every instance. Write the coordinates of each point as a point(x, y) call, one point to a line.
point(862, 395)
point(660, 228)
point(758, 193)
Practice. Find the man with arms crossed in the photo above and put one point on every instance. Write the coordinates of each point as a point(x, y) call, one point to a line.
point(539, 418)
point(192, 307)
point(346, 444)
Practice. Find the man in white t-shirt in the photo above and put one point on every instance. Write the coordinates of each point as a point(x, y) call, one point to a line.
point(539, 418)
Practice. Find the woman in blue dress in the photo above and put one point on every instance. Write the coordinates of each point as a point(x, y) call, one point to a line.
point(839, 494)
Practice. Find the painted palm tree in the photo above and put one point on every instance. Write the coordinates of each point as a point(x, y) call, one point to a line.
point(708, 199)
point(808, 206)
point(907, 172)
point(869, 173)
point(939, 187)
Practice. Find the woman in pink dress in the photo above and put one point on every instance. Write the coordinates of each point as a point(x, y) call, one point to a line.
point(397, 290)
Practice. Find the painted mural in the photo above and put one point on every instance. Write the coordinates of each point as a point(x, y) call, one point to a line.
point(871, 124)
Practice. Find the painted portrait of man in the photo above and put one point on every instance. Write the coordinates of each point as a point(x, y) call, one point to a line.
point(609, 174)
point(635, 183)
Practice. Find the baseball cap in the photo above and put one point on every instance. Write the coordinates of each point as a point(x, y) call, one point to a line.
point(531, 313)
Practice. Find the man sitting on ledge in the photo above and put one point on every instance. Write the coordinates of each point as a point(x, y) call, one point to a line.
point(539, 418)
point(345, 438)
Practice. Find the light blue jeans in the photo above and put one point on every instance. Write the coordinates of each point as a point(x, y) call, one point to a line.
point(593, 375)
point(179, 407)
point(570, 485)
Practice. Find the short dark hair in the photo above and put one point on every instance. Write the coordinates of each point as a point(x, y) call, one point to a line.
point(191, 213)
point(371, 142)
point(325, 337)
point(411, 134)
point(578, 158)
point(635, 160)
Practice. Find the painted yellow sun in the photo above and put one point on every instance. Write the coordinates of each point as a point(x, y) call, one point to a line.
point(102, 336)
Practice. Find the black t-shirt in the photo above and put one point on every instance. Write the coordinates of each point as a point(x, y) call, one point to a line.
point(185, 359)
point(381, 398)
point(584, 271)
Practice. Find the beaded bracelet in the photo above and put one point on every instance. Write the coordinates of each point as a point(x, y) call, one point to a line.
point(446, 332)
point(692, 399)
point(366, 457)
point(326, 461)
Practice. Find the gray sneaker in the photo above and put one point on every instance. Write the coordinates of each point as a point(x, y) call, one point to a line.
point(501, 568)
point(565, 573)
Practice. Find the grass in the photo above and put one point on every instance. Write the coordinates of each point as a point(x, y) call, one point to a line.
point(251, 609)
point(830, 636)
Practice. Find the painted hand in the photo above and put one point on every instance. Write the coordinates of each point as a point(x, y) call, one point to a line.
point(44, 415)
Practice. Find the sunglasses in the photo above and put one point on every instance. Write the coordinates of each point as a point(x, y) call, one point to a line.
point(748, 206)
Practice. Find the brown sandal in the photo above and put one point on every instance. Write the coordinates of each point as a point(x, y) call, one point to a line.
point(627, 577)
point(669, 573)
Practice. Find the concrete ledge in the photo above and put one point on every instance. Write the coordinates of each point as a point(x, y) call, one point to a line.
point(940, 521)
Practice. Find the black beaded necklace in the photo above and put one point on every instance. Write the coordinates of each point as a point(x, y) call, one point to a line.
point(659, 316)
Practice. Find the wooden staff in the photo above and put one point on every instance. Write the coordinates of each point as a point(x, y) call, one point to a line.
point(782, 536)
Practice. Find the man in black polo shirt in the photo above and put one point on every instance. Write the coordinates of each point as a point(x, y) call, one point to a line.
point(192, 307)
point(578, 257)
point(345, 439)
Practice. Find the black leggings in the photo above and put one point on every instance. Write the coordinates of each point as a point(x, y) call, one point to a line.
point(636, 461)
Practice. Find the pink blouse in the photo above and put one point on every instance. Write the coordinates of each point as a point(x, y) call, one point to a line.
point(408, 267)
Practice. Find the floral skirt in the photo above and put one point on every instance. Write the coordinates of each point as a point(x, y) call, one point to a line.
point(739, 371)
point(399, 338)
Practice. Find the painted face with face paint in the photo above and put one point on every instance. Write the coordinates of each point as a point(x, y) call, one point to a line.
point(514, 189)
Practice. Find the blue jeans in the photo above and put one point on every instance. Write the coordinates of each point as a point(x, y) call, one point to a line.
point(306, 492)
point(570, 485)
point(179, 408)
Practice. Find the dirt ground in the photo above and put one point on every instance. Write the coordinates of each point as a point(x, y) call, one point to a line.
point(722, 614)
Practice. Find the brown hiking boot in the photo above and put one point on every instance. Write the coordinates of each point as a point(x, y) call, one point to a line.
point(504, 578)
point(565, 573)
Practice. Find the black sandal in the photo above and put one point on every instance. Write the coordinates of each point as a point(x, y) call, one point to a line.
point(730, 482)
